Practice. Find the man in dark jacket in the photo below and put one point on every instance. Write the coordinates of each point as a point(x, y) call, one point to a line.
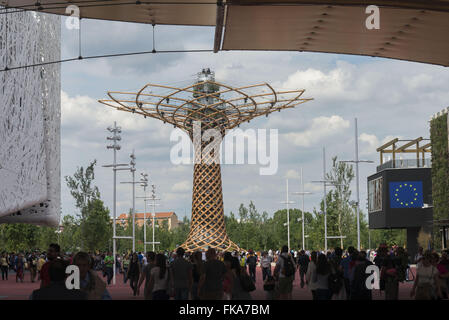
point(57, 289)
point(359, 290)
point(303, 264)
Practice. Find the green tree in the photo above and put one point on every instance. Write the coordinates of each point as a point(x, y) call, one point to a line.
point(81, 187)
point(340, 216)
point(97, 226)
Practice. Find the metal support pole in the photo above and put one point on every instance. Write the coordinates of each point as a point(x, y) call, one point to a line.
point(145, 221)
point(288, 222)
point(357, 183)
point(302, 211)
point(134, 211)
point(114, 244)
point(154, 215)
point(324, 201)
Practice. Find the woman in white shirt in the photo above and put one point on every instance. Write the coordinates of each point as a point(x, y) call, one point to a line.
point(159, 278)
point(426, 279)
point(311, 269)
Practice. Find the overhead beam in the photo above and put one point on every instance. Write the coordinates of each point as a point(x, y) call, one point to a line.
point(219, 25)
point(409, 144)
point(386, 145)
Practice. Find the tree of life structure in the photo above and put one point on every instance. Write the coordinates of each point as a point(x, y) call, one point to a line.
point(211, 105)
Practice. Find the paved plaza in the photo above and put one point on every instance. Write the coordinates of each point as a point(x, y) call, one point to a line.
point(10, 290)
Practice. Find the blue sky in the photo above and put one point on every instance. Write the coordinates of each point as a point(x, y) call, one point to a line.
point(390, 99)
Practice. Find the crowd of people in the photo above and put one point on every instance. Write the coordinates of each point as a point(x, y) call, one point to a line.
point(212, 275)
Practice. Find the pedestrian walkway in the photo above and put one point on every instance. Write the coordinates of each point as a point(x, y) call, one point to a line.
point(10, 290)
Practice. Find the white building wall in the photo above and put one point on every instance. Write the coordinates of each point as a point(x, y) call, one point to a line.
point(30, 178)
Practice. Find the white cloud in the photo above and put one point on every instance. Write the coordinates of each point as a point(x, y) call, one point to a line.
point(320, 128)
point(292, 174)
point(182, 186)
point(251, 190)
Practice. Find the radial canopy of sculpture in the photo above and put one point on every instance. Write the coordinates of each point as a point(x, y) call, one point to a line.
point(215, 104)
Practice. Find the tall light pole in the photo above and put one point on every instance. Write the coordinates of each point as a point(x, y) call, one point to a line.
point(153, 198)
point(357, 161)
point(325, 183)
point(287, 202)
point(302, 193)
point(132, 168)
point(115, 146)
point(144, 184)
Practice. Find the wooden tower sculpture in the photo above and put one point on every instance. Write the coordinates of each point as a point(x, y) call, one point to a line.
point(209, 105)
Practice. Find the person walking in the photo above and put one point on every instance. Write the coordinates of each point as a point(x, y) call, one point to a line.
point(125, 267)
point(265, 265)
point(159, 278)
point(90, 282)
point(284, 272)
point(4, 266)
point(426, 280)
point(197, 271)
point(241, 282)
point(310, 271)
point(181, 271)
point(56, 289)
point(53, 253)
point(210, 286)
point(134, 273)
point(40, 263)
point(389, 274)
point(303, 264)
point(336, 278)
point(32, 266)
point(251, 262)
point(146, 275)
point(320, 277)
point(108, 267)
point(359, 289)
point(20, 267)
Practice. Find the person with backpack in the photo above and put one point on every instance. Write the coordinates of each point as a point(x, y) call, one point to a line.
point(285, 273)
point(389, 276)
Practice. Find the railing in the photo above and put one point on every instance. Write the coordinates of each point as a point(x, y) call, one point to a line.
point(405, 163)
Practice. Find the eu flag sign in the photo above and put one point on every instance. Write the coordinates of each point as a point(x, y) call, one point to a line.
point(406, 194)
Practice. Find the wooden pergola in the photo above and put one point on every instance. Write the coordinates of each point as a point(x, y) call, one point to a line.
point(410, 146)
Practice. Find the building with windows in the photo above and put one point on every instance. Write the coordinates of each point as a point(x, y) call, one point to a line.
point(170, 217)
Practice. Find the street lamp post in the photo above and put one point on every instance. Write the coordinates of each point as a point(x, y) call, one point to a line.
point(325, 183)
point(132, 168)
point(115, 146)
point(302, 193)
point(153, 215)
point(153, 198)
point(357, 161)
point(287, 202)
point(144, 184)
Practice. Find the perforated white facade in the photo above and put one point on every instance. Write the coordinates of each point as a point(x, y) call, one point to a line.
point(29, 118)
